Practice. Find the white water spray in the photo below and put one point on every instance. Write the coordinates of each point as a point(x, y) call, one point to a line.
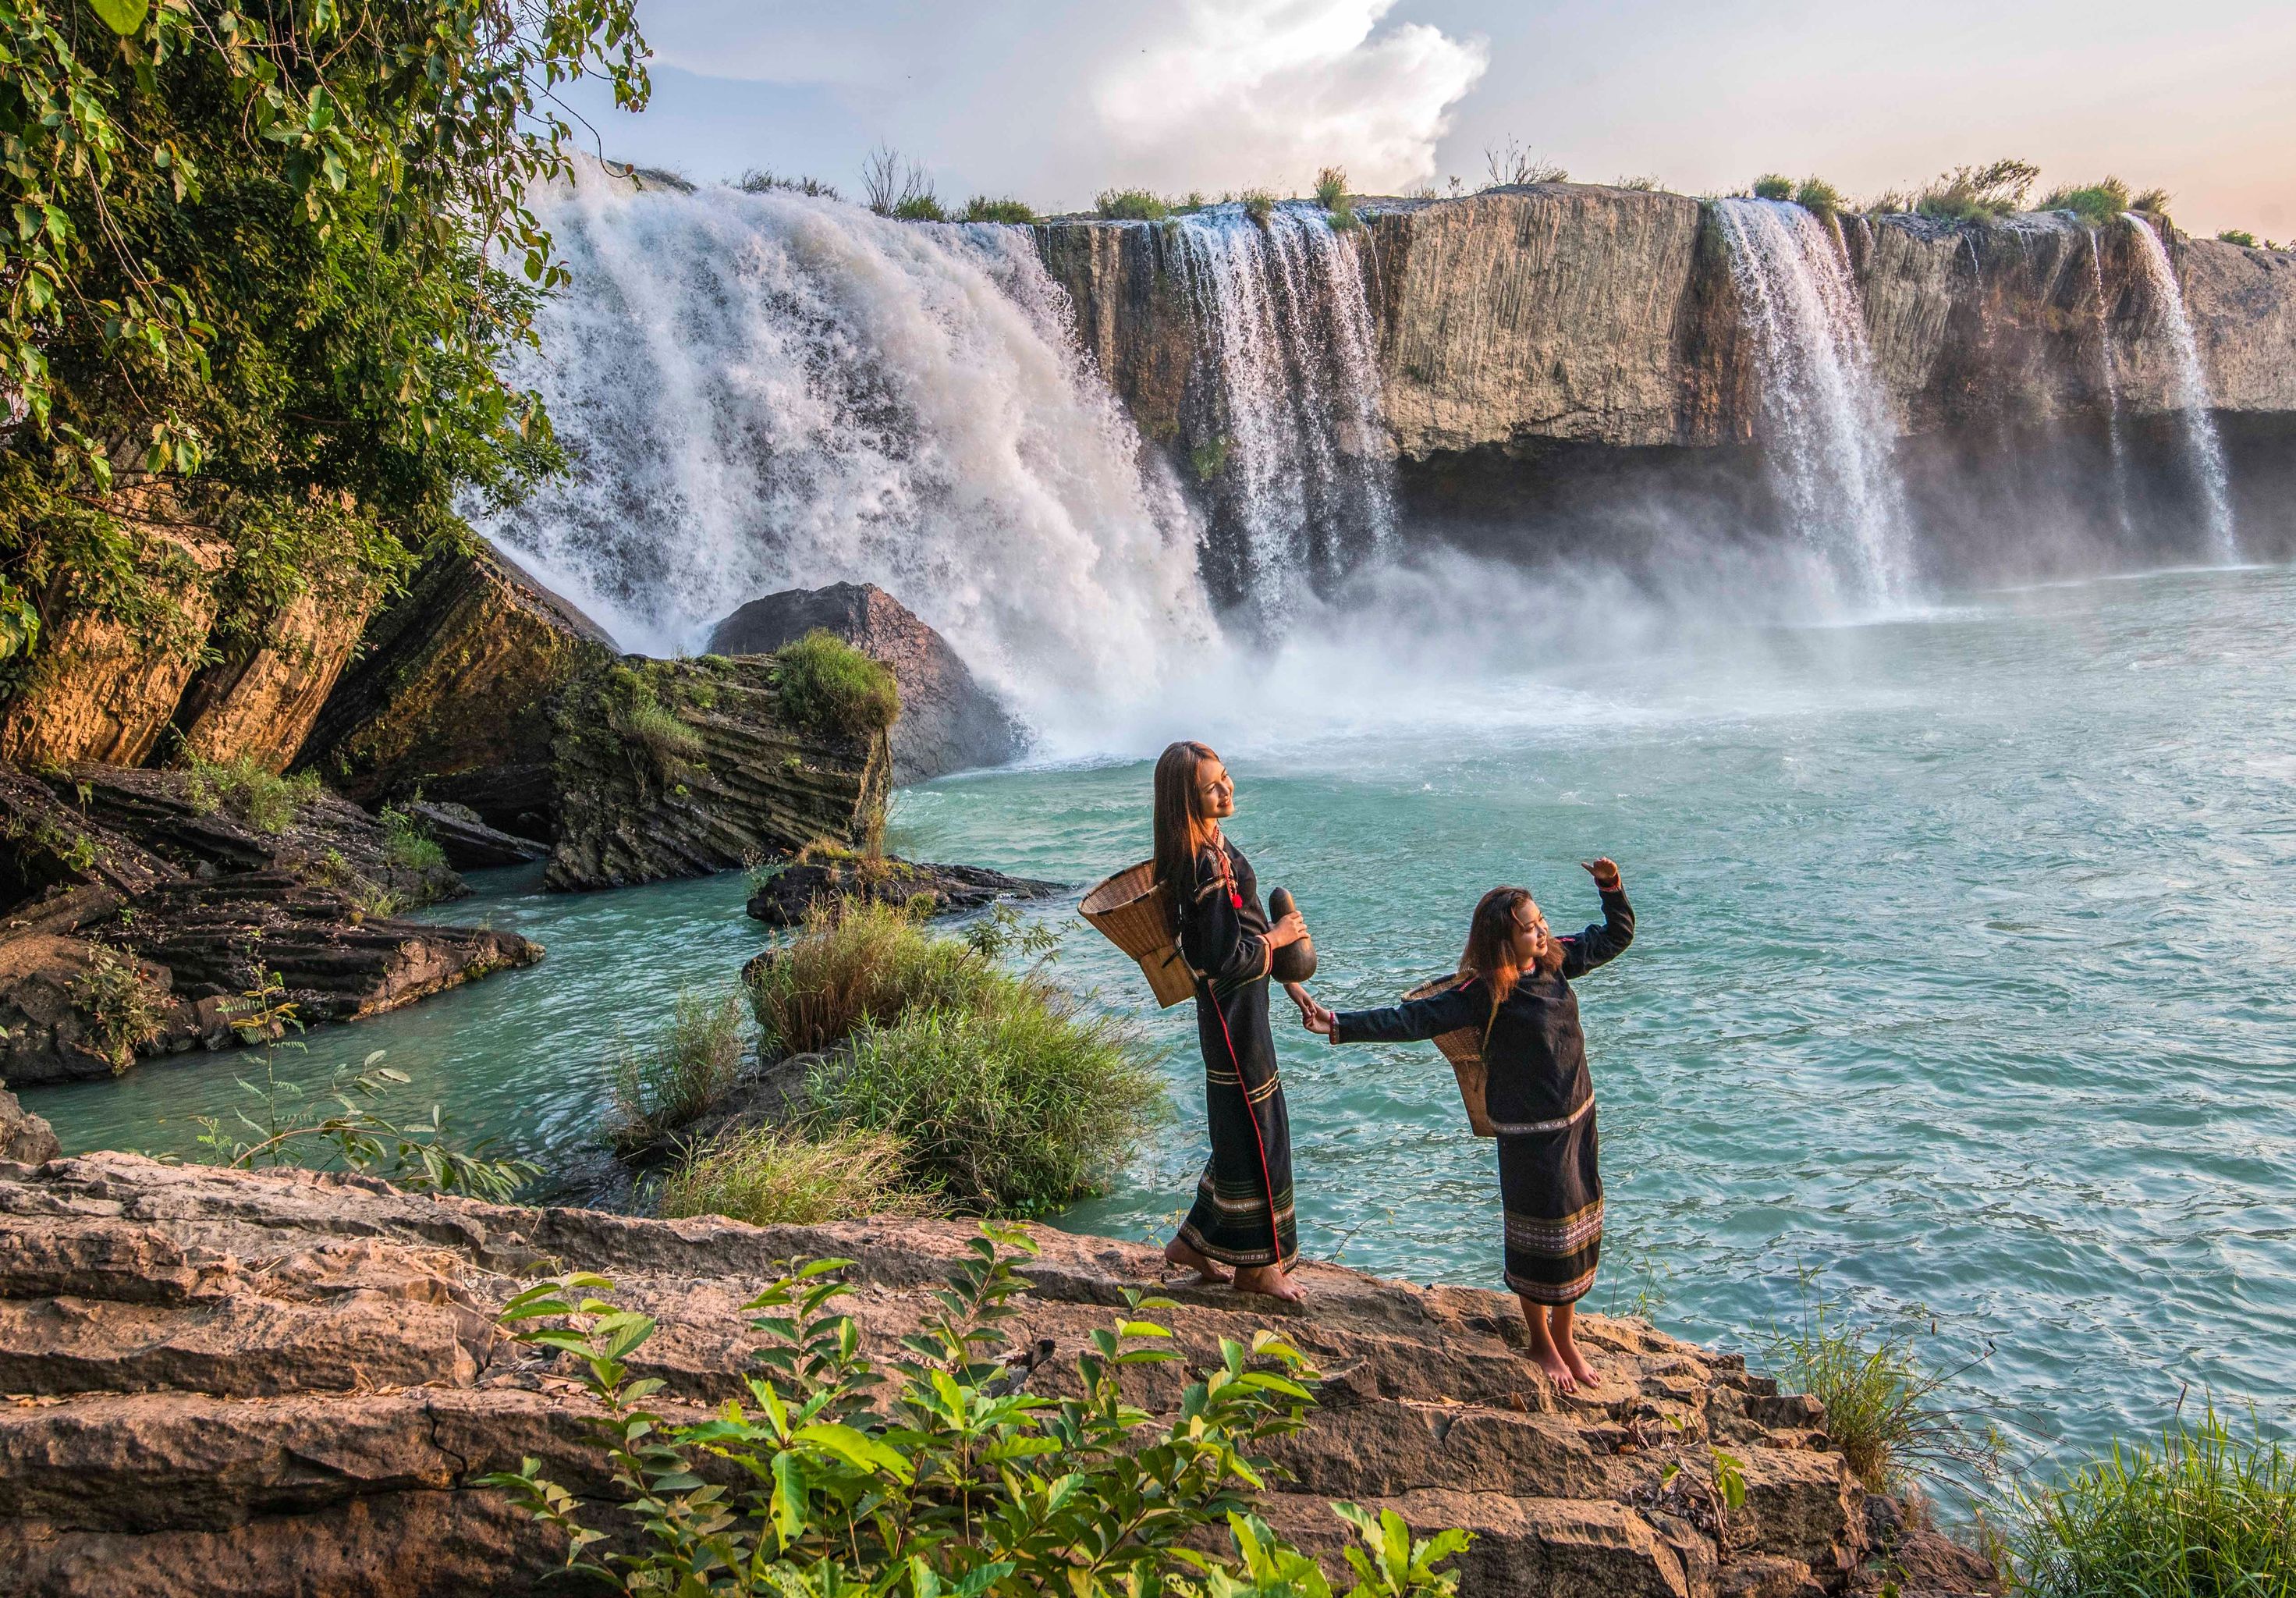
point(2111, 388)
point(767, 391)
point(1299, 458)
point(2201, 447)
point(1828, 426)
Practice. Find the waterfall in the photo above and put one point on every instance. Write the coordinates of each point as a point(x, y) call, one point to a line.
point(2201, 447)
point(1828, 425)
point(2111, 389)
point(761, 391)
point(1291, 453)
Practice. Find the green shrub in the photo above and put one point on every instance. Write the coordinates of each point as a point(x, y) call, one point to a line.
point(772, 1176)
point(1195, 201)
point(2202, 1515)
point(2152, 202)
point(125, 1008)
point(934, 1473)
point(2237, 236)
point(671, 1081)
point(406, 846)
point(980, 207)
point(1773, 186)
point(832, 689)
point(893, 185)
point(1012, 1104)
point(1819, 197)
point(1332, 188)
point(2096, 203)
point(1882, 1406)
point(257, 795)
point(853, 963)
point(1131, 205)
point(1979, 193)
point(1259, 204)
point(920, 208)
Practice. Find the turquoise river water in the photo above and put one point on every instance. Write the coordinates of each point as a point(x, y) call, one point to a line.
point(1963, 978)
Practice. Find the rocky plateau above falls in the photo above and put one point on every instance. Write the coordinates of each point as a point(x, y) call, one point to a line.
point(282, 1383)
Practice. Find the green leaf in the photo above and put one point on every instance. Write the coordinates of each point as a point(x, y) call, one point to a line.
point(123, 17)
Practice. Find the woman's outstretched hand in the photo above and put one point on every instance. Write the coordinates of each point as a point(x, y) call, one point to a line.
point(1605, 873)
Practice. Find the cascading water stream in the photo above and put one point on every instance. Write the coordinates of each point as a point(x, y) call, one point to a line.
point(2201, 446)
point(2111, 389)
point(767, 391)
point(1295, 459)
point(1828, 425)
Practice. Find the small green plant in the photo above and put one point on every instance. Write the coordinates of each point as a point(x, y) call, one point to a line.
point(2152, 202)
point(980, 207)
point(1514, 165)
point(1979, 193)
point(1195, 201)
point(2237, 236)
point(1259, 204)
point(338, 1124)
point(1003, 930)
point(1133, 205)
point(1819, 197)
point(893, 185)
point(1332, 189)
point(1640, 185)
point(2203, 1514)
point(831, 688)
point(672, 1080)
point(757, 182)
point(933, 1474)
point(259, 797)
point(406, 845)
point(2096, 203)
point(776, 1176)
point(1208, 460)
point(124, 1006)
point(1773, 186)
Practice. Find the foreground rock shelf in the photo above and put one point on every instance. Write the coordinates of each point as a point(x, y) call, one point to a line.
point(283, 1383)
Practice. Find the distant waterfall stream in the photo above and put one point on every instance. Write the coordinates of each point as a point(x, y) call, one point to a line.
point(1294, 459)
point(2201, 446)
point(761, 391)
point(2110, 372)
point(1828, 425)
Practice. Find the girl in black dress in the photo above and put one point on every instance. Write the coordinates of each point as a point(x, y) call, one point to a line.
point(1514, 988)
point(1242, 1213)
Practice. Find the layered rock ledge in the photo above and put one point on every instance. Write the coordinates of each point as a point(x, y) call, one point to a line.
point(282, 1383)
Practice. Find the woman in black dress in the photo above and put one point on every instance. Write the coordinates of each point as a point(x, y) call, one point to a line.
point(1242, 1213)
point(1514, 988)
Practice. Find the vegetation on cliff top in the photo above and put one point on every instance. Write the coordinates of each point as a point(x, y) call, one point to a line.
point(257, 253)
point(935, 1473)
point(830, 688)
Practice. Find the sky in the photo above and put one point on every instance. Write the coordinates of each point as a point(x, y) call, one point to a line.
point(1052, 102)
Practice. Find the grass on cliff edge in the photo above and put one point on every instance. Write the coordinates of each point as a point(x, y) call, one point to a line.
point(2203, 1514)
point(1885, 1407)
point(830, 688)
point(254, 793)
point(1008, 1098)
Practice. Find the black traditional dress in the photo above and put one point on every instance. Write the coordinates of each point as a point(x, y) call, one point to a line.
point(1540, 1099)
point(1242, 1213)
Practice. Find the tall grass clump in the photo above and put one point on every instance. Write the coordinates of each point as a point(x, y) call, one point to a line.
point(1819, 197)
point(671, 1081)
point(1984, 194)
point(757, 181)
point(1012, 1103)
point(1331, 195)
point(1773, 186)
point(833, 688)
point(2152, 202)
point(254, 794)
point(1516, 165)
point(2237, 236)
point(1131, 205)
point(1882, 1405)
point(854, 964)
point(1641, 185)
point(2204, 1514)
point(980, 207)
point(776, 1177)
point(406, 846)
point(1259, 204)
point(2095, 203)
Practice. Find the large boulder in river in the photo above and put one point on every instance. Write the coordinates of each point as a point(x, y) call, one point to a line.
point(948, 721)
point(275, 1383)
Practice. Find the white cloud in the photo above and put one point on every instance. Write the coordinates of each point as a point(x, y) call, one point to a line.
point(1058, 102)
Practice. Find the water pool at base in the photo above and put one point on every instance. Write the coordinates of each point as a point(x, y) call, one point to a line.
point(1964, 981)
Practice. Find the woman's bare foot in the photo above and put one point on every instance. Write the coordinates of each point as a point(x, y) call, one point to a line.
point(1268, 1279)
point(1188, 1259)
point(1558, 1370)
point(1580, 1368)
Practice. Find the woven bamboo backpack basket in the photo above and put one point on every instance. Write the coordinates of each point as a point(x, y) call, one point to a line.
point(1464, 1050)
point(1129, 908)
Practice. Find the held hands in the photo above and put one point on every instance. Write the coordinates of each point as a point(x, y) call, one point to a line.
point(1312, 1015)
point(1605, 873)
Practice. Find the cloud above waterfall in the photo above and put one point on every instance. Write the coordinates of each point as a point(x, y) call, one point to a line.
point(1054, 103)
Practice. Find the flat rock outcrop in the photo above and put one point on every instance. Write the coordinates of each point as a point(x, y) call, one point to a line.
point(678, 768)
point(948, 721)
point(135, 912)
point(261, 1383)
point(783, 897)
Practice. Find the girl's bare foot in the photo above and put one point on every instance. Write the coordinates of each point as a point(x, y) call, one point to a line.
point(1268, 1279)
point(1190, 1258)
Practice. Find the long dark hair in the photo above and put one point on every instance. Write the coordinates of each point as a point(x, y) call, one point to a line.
point(1182, 827)
point(1491, 941)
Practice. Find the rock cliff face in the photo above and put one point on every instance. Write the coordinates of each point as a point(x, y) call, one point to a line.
point(279, 1383)
point(948, 721)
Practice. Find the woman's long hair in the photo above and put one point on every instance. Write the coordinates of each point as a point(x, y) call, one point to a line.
point(1490, 942)
point(1182, 828)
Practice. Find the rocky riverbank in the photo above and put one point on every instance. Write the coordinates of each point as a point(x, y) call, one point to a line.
point(285, 1383)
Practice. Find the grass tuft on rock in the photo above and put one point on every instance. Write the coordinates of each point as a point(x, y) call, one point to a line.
point(1883, 1406)
point(672, 1080)
point(2095, 203)
point(831, 688)
point(1773, 186)
point(777, 1177)
point(854, 964)
point(1259, 204)
point(1981, 194)
point(982, 207)
point(1132, 205)
point(1012, 1103)
point(1819, 197)
point(254, 794)
point(2203, 1514)
point(406, 846)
